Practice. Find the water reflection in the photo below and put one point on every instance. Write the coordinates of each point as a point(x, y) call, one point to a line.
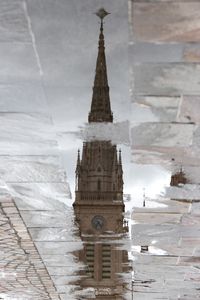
point(105, 261)
point(163, 248)
point(99, 205)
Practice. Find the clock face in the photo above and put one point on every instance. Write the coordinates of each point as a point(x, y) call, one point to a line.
point(98, 222)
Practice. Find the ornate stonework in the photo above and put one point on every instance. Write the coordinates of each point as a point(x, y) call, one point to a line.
point(99, 202)
point(99, 174)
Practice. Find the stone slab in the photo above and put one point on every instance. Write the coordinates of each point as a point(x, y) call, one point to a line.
point(31, 168)
point(162, 135)
point(166, 79)
point(166, 21)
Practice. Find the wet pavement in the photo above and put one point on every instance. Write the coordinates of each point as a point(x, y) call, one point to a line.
point(45, 94)
point(23, 273)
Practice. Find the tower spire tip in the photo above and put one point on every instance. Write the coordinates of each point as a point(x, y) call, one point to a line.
point(100, 107)
point(101, 13)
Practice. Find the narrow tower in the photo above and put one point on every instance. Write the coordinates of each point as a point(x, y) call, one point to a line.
point(99, 176)
point(100, 106)
point(99, 203)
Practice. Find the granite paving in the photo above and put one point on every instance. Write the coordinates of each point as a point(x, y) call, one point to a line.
point(47, 60)
point(23, 274)
point(164, 54)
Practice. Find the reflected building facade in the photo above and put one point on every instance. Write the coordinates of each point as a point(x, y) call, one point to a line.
point(99, 206)
point(178, 177)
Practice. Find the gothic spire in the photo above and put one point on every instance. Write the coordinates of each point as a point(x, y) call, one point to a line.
point(100, 107)
point(120, 157)
point(78, 163)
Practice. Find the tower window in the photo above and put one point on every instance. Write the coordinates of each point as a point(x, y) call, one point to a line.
point(90, 260)
point(106, 261)
point(99, 185)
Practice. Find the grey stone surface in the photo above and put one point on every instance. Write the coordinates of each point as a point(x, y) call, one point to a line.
point(23, 273)
point(23, 97)
point(34, 168)
point(13, 22)
point(166, 21)
point(164, 54)
point(167, 79)
point(162, 134)
point(45, 91)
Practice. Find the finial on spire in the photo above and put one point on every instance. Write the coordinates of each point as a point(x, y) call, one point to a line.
point(100, 106)
point(102, 13)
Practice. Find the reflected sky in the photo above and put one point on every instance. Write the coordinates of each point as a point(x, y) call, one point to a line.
point(75, 84)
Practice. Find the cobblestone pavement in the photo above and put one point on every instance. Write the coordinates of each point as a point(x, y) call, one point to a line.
point(22, 272)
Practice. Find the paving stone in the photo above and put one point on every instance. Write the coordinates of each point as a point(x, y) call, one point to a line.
point(31, 169)
point(19, 270)
point(163, 21)
point(165, 135)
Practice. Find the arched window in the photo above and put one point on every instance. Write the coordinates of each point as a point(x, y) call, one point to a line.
point(99, 185)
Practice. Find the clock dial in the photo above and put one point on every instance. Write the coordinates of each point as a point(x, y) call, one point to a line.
point(98, 222)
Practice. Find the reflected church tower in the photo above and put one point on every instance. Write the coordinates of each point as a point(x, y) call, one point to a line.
point(99, 205)
point(99, 174)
